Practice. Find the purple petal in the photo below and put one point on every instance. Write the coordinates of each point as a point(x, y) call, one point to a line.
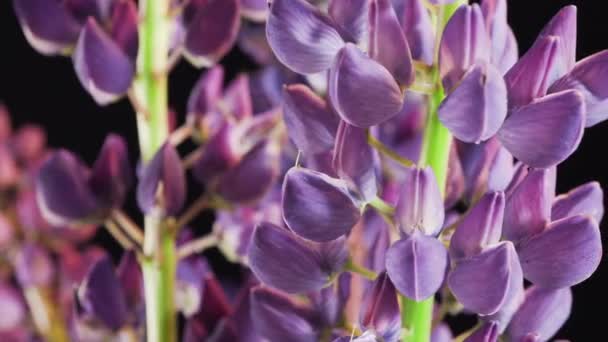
point(33, 266)
point(387, 42)
point(351, 16)
point(563, 26)
point(565, 254)
point(477, 106)
point(481, 227)
point(47, 25)
point(162, 183)
point(502, 40)
point(417, 265)
point(361, 90)
point(589, 77)
point(317, 207)
point(131, 279)
point(418, 29)
point(355, 160)
point(13, 310)
point(311, 124)
point(543, 312)
point(218, 155)
point(111, 175)
point(212, 32)
point(586, 199)
point(253, 176)
point(237, 98)
point(254, 10)
point(103, 68)
point(380, 308)
point(545, 132)
point(501, 170)
point(464, 43)
point(486, 333)
point(528, 208)
point(302, 37)
point(420, 206)
point(281, 260)
point(124, 27)
point(278, 318)
point(476, 160)
point(101, 295)
point(455, 186)
point(64, 171)
point(483, 283)
point(442, 333)
point(329, 302)
point(206, 93)
point(535, 71)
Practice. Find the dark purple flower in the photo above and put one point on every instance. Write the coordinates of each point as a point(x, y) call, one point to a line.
point(380, 309)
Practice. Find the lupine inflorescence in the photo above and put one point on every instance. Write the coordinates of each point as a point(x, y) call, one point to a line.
point(389, 164)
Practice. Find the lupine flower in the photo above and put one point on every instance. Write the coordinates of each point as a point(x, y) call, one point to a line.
point(380, 309)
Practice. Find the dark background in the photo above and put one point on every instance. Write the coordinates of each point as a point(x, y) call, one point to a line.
point(46, 91)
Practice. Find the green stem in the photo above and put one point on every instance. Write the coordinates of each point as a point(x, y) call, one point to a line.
point(151, 97)
point(417, 317)
point(350, 266)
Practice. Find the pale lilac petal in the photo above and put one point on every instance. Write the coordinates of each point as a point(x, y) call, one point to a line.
point(254, 10)
point(476, 107)
point(380, 309)
point(488, 332)
point(418, 28)
point(302, 37)
point(501, 170)
point(563, 25)
point(547, 131)
point(351, 16)
point(565, 254)
point(502, 40)
point(417, 265)
point(420, 206)
point(317, 207)
point(587, 199)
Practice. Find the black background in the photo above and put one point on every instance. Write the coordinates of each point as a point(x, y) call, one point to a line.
point(46, 91)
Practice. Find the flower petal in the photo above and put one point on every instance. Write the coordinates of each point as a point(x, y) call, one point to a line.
point(563, 25)
point(501, 170)
point(206, 93)
point(47, 25)
point(237, 98)
point(311, 124)
point(535, 71)
point(565, 254)
point(463, 43)
point(528, 208)
point(111, 177)
point(502, 40)
point(477, 106)
point(420, 206)
point(212, 32)
point(387, 42)
point(103, 68)
point(481, 227)
point(543, 312)
point(418, 28)
point(589, 77)
point(483, 283)
point(417, 266)
point(124, 27)
point(380, 309)
point(317, 207)
point(587, 199)
point(488, 332)
point(351, 16)
point(547, 131)
point(302, 37)
point(361, 90)
point(355, 160)
point(162, 183)
point(254, 10)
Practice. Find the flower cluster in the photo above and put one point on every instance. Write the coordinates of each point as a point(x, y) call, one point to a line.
point(391, 163)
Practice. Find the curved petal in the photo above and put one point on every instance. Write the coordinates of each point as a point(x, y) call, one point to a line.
point(442, 333)
point(111, 174)
point(528, 207)
point(563, 25)
point(543, 312)
point(589, 77)
point(418, 29)
point(481, 227)
point(486, 333)
point(47, 25)
point(254, 10)
point(237, 98)
point(103, 68)
point(162, 183)
point(351, 16)
point(417, 266)
point(302, 37)
point(587, 199)
point(420, 206)
point(482, 283)
point(464, 43)
point(565, 254)
point(547, 131)
point(387, 42)
point(501, 170)
point(380, 308)
point(317, 207)
point(206, 93)
point(311, 124)
point(361, 90)
point(124, 27)
point(212, 32)
point(502, 40)
point(355, 160)
point(278, 318)
point(477, 106)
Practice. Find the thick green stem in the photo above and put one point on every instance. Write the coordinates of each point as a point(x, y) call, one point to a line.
point(150, 96)
point(417, 317)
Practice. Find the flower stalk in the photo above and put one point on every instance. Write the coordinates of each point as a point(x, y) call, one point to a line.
point(150, 88)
